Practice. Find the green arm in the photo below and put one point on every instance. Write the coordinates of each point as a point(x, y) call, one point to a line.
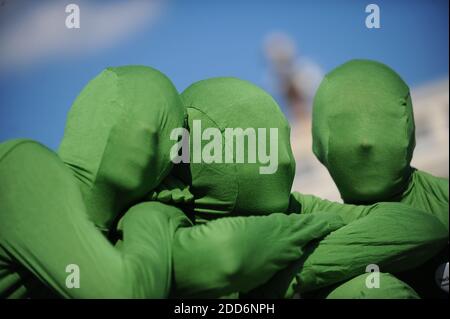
point(307, 204)
point(44, 228)
point(240, 253)
point(428, 193)
point(394, 236)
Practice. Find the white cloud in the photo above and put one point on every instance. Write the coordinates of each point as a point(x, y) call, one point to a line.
point(42, 33)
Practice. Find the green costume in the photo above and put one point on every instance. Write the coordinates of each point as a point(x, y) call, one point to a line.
point(213, 190)
point(356, 288)
point(237, 254)
point(229, 188)
point(116, 149)
point(363, 132)
point(117, 142)
point(209, 191)
point(393, 236)
point(44, 229)
point(116, 139)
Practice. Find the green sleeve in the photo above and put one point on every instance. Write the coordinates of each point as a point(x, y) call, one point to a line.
point(237, 254)
point(307, 204)
point(428, 193)
point(44, 228)
point(396, 238)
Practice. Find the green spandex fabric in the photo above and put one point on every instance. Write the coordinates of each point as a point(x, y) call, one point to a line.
point(364, 133)
point(44, 227)
point(116, 148)
point(116, 139)
point(394, 236)
point(342, 254)
point(389, 288)
point(227, 189)
point(237, 254)
point(253, 248)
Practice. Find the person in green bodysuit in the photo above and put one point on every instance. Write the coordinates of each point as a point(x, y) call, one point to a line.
point(112, 153)
point(54, 208)
point(44, 229)
point(364, 134)
point(372, 234)
point(110, 172)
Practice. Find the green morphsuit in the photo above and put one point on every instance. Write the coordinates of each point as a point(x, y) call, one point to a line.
point(116, 139)
point(394, 236)
point(254, 247)
point(211, 190)
point(227, 188)
point(45, 231)
point(357, 288)
point(364, 134)
point(115, 149)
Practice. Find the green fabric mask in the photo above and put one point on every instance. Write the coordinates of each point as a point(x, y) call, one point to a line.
point(116, 139)
point(231, 188)
point(363, 131)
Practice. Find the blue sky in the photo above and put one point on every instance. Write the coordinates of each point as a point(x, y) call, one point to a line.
point(194, 40)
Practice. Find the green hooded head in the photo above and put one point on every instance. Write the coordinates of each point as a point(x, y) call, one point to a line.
point(363, 131)
point(247, 185)
point(116, 139)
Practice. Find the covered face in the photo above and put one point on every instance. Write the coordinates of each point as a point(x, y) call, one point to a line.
point(223, 181)
point(116, 138)
point(363, 130)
